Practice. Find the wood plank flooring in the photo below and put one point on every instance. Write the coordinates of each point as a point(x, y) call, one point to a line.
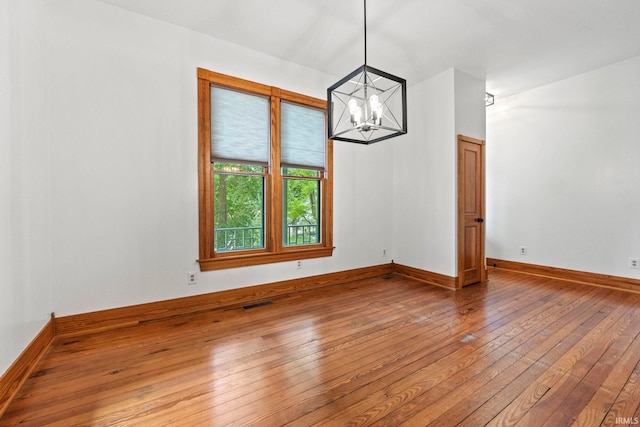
point(519, 350)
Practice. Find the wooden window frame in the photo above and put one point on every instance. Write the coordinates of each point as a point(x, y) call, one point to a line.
point(274, 250)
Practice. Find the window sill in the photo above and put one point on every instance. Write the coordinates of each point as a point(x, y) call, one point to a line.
point(246, 260)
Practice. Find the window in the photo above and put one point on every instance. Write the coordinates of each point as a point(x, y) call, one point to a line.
point(265, 174)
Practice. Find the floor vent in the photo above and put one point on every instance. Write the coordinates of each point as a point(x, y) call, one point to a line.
point(256, 305)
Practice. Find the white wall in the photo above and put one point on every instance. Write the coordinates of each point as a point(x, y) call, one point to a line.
point(102, 190)
point(364, 192)
point(25, 229)
point(563, 173)
point(125, 120)
point(424, 179)
point(425, 175)
point(471, 118)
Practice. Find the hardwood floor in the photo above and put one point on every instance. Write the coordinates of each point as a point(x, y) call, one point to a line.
point(519, 350)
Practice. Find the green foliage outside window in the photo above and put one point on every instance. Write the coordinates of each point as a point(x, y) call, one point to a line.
point(239, 206)
point(302, 206)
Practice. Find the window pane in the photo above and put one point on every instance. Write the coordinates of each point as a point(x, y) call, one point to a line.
point(237, 168)
point(308, 173)
point(302, 209)
point(303, 136)
point(240, 126)
point(238, 212)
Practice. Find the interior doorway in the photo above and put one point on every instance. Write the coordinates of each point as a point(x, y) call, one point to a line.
point(471, 205)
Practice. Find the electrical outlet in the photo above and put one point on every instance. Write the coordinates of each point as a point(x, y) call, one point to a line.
point(192, 278)
point(523, 250)
point(299, 265)
point(384, 253)
point(634, 262)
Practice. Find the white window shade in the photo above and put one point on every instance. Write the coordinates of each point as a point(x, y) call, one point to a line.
point(302, 137)
point(240, 127)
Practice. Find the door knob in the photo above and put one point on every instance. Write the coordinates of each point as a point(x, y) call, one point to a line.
point(479, 219)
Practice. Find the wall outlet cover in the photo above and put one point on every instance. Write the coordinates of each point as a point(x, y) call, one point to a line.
point(192, 278)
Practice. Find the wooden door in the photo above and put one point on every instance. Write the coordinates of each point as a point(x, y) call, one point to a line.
point(471, 262)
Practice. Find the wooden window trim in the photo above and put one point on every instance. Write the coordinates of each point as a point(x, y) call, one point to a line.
point(274, 250)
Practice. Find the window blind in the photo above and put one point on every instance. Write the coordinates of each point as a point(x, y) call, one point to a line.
point(302, 136)
point(240, 127)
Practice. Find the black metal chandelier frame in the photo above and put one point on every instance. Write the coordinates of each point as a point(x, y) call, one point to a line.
point(363, 106)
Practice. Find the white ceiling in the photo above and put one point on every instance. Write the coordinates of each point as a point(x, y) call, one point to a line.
point(514, 44)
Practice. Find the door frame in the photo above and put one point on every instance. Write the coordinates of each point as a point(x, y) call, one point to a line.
point(460, 220)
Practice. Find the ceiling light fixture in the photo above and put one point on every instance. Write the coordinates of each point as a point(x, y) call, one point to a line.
point(488, 99)
point(368, 105)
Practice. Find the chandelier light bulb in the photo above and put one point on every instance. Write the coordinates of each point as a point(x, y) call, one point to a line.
point(357, 116)
point(353, 106)
point(378, 115)
point(354, 111)
point(374, 101)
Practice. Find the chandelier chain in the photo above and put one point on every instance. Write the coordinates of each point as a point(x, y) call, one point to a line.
point(365, 32)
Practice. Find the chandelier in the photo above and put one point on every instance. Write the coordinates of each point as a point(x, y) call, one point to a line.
point(488, 99)
point(368, 105)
